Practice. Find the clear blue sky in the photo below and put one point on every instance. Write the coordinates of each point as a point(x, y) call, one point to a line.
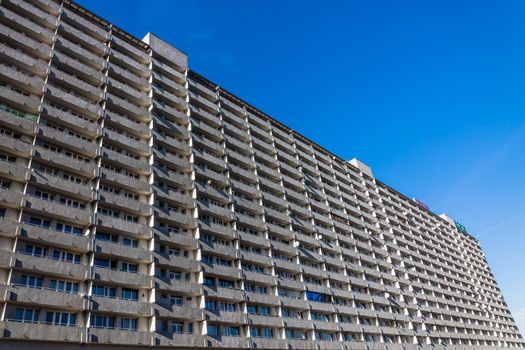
point(429, 94)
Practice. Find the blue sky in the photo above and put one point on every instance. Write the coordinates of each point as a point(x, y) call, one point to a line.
point(429, 94)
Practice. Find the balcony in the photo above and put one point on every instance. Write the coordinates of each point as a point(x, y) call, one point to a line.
point(18, 39)
point(288, 283)
point(265, 343)
point(81, 216)
point(86, 40)
point(118, 336)
point(288, 249)
point(282, 231)
point(268, 321)
point(259, 277)
point(178, 286)
point(72, 121)
point(69, 241)
point(70, 48)
point(172, 144)
point(140, 165)
point(93, 93)
point(213, 160)
point(139, 69)
point(164, 308)
point(180, 131)
point(128, 77)
point(129, 125)
point(15, 146)
point(204, 115)
point(185, 240)
point(179, 103)
point(17, 120)
point(87, 25)
point(19, 100)
point(186, 220)
point(169, 71)
point(178, 261)
point(237, 132)
point(238, 110)
point(77, 67)
point(126, 107)
point(220, 195)
point(174, 160)
point(287, 265)
point(246, 174)
point(297, 323)
point(222, 271)
point(204, 103)
point(228, 251)
point(121, 225)
point(171, 177)
point(30, 63)
point(282, 217)
point(225, 231)
point(226, 342)
point(8, 227)
point(215, 175)
point(133, 205)
point(41, 331)
point(257, 258)
point(129, 182)
point(49, 266)
point(249, 189)
point(123, 251)
point(6, 260)
point(46, 297)
point(138, 96)
point(177, 339)
point(139, 54)
point(73, 101)
point(212, 133)
point(122, 277)
point(13, 75)
point(172, 85)
point(121, 306)
point(222, 212)
point(11, 198)
point(79, 145)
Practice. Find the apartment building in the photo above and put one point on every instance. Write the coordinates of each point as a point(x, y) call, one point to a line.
point(143, 205)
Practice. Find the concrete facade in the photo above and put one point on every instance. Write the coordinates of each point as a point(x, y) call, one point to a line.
point(144, 206)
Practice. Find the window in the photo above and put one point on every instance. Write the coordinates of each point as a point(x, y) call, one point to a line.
point(213, 330)
point(63, 286)
point(129, 324)
point(177, 327)
point(102, 291)
point(127, 267)
point(35, 250)
point(229, 307)
point(175, 300)
point(31, 281)
point(294, 334)
point(61, 318)
point(211, 305)
point(99, 321)
point(209, 281)
point(27, 315)
point(69, 229)
point(252, 309)
point(268, 333)
point(65, 256)
point(130, 242)
point(231, 331)
point(130, 294)
point(39, 222)
point(225, 284)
